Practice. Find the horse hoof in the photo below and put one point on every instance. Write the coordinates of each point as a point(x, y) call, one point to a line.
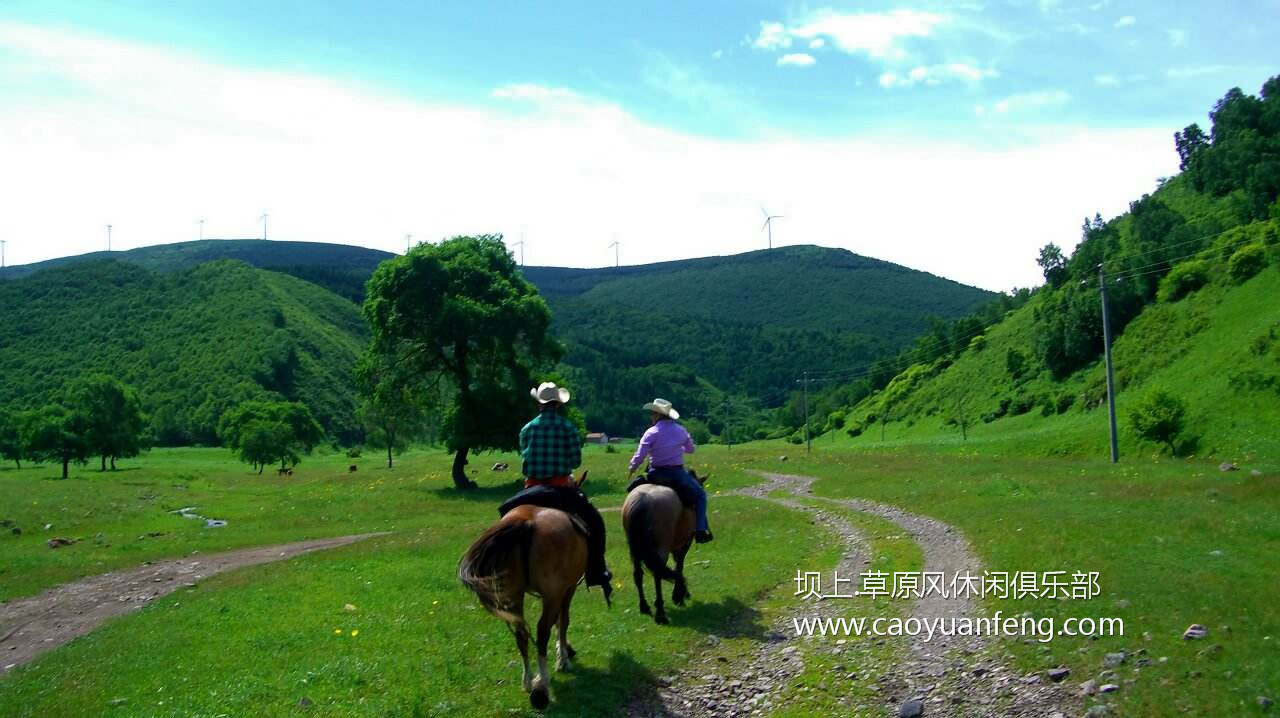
point(572, 653)
point(540, 698)
point(661, 619)
point(644, 608)
point(563, 665)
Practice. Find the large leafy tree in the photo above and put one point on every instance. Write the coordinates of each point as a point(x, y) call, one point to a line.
point(263, 432)
point(57, 434)
point(12, 445)
point(395, 410)
point(462, 310)
point(113, 415)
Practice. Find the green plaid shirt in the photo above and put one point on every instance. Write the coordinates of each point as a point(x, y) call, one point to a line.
point(550, 446)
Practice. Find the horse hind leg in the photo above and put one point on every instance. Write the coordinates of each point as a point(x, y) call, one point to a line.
point(540, 696)
point(564, 651)
point(638, 575)
point(681, 592)
point(522, 642)
point(659, 613)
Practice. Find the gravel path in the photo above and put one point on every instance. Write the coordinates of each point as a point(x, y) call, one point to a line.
point(32, 626)
point(961, 676)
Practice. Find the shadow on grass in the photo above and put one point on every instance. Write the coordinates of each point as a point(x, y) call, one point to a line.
point(726, 618)
point(587, 690)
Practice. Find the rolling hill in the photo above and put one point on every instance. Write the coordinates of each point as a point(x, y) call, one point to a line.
point(194, 342)
point(1193, 294)
point(737, 326)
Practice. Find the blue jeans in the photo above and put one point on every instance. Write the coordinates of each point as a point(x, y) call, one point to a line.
point(687, 486)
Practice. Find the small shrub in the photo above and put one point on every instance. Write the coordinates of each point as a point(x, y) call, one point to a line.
point(610, 449)
point(854, 430)
point(1021, 405)
point(760, 434)
point(1159, 416)
point(1246, 262)
point(795, 439)
point(1065, 400)
point(354, 452)
point(978, 343)
point(1183, 280)
point(1015, 362)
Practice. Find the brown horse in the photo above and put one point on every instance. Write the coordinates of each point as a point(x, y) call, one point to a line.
point(530, 550)
point(658, 525)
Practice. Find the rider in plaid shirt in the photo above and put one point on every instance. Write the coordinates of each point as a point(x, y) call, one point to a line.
point(551, 448)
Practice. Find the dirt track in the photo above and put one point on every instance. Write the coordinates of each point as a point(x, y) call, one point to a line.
point(32, 626)
point(950, 677)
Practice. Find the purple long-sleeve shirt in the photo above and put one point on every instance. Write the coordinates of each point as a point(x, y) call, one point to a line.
point(665, 443)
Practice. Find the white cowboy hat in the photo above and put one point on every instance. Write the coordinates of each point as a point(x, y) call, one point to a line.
point(664, 407)
point(548, 392)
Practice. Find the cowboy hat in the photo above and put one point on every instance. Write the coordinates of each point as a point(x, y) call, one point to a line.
point(664, 407)
point(548, 392)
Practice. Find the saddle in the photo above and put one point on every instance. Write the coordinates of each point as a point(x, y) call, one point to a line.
point(549, 497)
point(661, 478)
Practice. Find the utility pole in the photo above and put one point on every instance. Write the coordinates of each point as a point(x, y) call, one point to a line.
point(3, 242)
point(108, 238)
point(1106, 350)
point(520, 244)
point(616, 261)
point(201, 223)
point(264, 224)
point(407, 239)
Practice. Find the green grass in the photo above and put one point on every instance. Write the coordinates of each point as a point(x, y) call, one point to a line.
point(1175, 542)
point(256, 641)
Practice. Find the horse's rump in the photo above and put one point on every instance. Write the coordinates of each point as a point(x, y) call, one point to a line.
point(531, 549)
point(651, 516)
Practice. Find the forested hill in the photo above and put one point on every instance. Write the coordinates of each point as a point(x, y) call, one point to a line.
point(1194, 295)
point(340, 268)
point(801, 287)
point(703, 331)
point(194, 342)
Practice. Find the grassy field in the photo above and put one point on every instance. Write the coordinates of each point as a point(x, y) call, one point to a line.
point(1176, 542)
point(258, 640)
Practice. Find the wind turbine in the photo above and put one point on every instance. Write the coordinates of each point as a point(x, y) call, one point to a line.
point(408, 238)
point(768, 224)
point(201, 223)
point(108, 238)
point(616, 261)
point(3, 242)
point(264, 224)
point(521, 245)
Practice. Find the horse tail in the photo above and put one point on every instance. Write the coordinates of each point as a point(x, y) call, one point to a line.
point(485, 567)
point(641, 542)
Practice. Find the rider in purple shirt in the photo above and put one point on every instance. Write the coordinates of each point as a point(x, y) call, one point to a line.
point(665, 444)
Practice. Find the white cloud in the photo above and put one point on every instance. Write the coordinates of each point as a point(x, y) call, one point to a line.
point(773, 35)
point(1177, 37)
point(817, 43)
point(717, 54)
point(796, 59)
point(937, 74)
point(1126, 21)
point(880, 36)
point(1106, 80)
point(1026, 101)
point(149, 140)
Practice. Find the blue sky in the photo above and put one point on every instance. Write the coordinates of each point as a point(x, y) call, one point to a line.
point(575, 123)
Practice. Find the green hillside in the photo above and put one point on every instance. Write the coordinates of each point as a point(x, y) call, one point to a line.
point(193, 342)
point(735, 327)
point(1193, 297)
point(340, 268)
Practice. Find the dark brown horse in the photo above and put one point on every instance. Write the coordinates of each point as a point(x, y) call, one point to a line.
point(658, 525)
point(530, 550)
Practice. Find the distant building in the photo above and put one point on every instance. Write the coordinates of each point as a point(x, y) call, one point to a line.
point(597, 437)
